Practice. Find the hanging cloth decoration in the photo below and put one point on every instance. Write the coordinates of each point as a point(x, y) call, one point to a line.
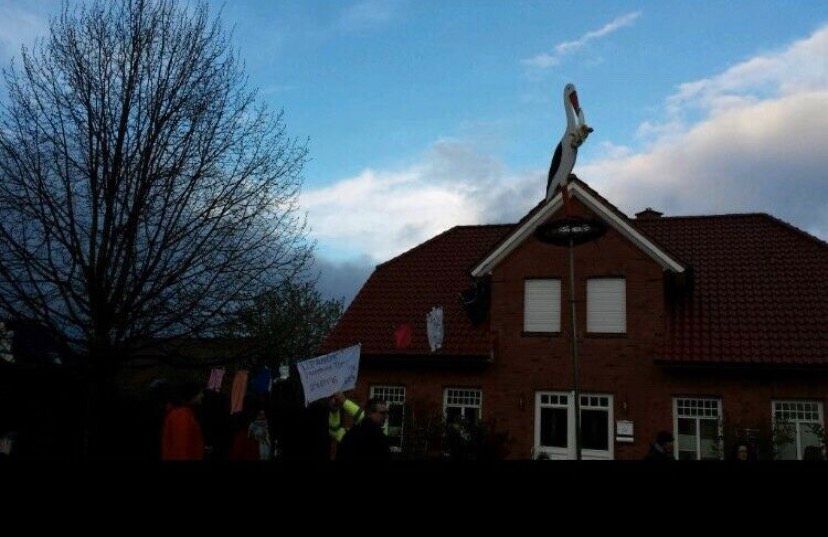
point(238, 392)
point(403, 336)
point(216, 377)
point(434, 326)
point(261, 383)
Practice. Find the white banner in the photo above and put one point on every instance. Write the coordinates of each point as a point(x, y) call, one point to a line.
point(328, 374)
point(434, 328)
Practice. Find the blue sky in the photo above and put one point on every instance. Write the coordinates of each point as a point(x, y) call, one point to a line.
point(424, 115)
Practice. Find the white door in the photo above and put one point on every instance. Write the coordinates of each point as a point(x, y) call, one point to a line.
point(555, 426)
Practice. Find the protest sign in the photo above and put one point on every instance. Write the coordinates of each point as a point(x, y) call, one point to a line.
point(326, 375)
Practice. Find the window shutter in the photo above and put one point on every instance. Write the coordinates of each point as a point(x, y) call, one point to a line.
point(542, 306)
point(607, 305)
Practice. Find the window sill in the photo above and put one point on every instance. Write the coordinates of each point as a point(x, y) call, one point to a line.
point(540, 334)
point(606, 335)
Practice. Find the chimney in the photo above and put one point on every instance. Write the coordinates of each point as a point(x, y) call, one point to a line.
point(648, 214)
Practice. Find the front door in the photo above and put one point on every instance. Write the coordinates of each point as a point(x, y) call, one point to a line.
point(555, 426)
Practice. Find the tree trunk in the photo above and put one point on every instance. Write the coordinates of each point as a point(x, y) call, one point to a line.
point(101, 404)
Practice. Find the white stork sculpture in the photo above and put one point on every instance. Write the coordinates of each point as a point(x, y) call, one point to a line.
point(576, 132)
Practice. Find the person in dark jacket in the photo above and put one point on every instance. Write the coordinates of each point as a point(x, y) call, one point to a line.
point(366, 441)
point(662, 449)
point(300, 433)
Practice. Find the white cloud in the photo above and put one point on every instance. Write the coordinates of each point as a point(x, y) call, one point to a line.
point(385, 212)
point(756, 142)
point(367, 14)
point(545, 60)
point(798, 68)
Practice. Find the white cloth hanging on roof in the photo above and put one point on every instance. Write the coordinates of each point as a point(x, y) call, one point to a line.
point(434, 326)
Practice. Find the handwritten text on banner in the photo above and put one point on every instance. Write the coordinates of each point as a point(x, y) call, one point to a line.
point(328, 374)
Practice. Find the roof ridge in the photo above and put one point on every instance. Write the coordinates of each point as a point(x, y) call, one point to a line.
point(697, 216)
point(484, 225)
point(417, 247)
point(768, 216)
point(434, 238)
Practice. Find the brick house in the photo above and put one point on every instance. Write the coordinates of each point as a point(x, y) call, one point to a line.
point(712, 327)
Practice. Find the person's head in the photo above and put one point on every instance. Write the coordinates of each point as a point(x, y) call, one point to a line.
point(377, 411)
point(742, 452)
point(665, 440)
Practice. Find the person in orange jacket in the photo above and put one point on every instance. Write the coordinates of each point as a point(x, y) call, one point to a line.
point(181, 438)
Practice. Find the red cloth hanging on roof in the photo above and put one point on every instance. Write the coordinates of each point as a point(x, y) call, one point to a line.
point(403, 336)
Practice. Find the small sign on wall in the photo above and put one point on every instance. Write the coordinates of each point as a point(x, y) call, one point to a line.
point(623, 431)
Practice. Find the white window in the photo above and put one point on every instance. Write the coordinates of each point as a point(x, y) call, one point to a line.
point(394, 397)
point(552, 419)
point(542, 306)
point(462, 403)
point(555, 425)
point(797, 425)
point(697, 423)
point(607, 305)
point(596, 424)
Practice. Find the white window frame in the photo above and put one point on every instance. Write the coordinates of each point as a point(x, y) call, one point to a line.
point(797, 421)
point(557, 453)
point(551, 326)
point(590, 313)
point(719, 428)
point(470, 392)
point(383, 391)
point(568, 453)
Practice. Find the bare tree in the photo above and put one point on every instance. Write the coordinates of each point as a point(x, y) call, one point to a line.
point(144, 192)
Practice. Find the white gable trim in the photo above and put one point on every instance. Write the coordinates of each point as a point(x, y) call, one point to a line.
point(517, 237)
point(619, 224)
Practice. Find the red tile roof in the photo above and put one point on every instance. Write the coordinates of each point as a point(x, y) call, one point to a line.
point(760, 292)
point(404, 289)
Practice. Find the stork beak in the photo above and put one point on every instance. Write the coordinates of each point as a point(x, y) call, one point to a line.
point(573, 98)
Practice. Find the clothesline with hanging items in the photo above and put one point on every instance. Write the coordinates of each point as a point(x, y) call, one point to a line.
point(259, 384)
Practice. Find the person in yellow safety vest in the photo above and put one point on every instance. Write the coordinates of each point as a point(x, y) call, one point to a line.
point(336, 403)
